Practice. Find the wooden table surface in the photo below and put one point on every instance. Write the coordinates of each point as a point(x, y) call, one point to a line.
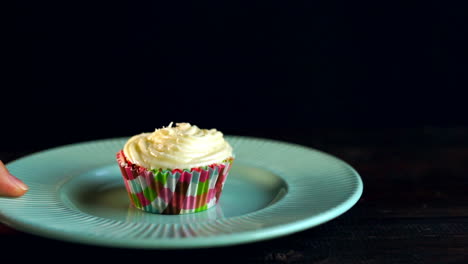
point(414, 208)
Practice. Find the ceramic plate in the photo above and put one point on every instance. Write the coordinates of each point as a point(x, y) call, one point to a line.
point(274, 188)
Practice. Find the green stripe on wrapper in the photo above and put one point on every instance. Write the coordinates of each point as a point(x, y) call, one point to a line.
point(202, 208)
point(149, 193)
point(203, 187)
point(136, 201)
point(160, 176)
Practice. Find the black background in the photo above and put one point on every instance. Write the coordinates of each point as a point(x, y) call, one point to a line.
point(379, 84)
point(80, 71)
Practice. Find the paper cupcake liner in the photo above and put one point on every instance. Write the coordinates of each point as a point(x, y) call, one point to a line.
point(138, 216)
point(174, 191)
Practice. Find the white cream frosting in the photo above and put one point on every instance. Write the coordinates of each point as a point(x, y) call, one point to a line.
point(181, 147)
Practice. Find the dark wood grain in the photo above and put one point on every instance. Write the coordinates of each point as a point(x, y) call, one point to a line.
point(414, 208)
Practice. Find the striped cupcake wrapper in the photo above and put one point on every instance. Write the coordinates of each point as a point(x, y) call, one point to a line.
point(140, 216)
point(174, 191)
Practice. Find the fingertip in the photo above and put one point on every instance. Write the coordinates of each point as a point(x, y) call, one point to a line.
point(10, 186)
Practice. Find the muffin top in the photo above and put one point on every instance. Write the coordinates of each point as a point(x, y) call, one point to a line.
point(181, 147)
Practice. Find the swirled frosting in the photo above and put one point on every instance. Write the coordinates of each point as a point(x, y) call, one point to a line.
point(181, 147)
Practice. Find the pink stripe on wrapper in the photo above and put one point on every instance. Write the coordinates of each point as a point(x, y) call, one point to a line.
point(211, 194)
point(204, 175)
point(124, 173)
point(196, 169)
point(176, 170)
point(143, 199)
point(130, 173)
point(149, 177)
point(129, 190)
point(220, 183)
point(141, 170)
point(165, 194)
point(185, 177)
point(189, 202)
point(177, 200)
point(221, 168)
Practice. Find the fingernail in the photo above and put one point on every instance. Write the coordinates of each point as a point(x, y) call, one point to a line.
point(19, 183)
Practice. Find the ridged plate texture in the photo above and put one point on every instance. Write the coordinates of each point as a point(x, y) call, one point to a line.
point(274, 188)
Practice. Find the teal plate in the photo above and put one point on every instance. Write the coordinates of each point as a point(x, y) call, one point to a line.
point(274, 188)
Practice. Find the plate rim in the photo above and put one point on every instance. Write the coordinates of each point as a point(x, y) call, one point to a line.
point(230, 239)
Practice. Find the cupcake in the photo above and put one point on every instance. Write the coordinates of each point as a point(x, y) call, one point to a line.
point(175, 170)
